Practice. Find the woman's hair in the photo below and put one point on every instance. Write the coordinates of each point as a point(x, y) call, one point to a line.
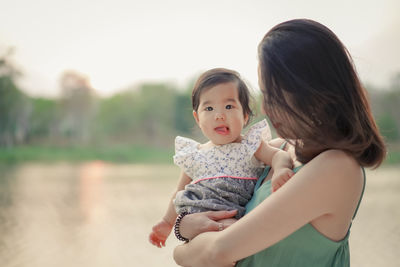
point(312, 93)
point(217, 76)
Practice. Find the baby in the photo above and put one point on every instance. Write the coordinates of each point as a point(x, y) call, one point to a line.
point(221, 173)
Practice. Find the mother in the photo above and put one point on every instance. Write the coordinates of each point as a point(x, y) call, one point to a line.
point(315, 101)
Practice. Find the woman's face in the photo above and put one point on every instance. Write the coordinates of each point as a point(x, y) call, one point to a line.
point(261, 86)
point(259, 77)
point(264, 107)
point(281, 120)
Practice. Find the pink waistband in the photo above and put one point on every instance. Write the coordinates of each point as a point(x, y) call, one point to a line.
point(226, 176)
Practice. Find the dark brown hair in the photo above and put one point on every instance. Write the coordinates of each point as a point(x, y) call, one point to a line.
point(312, 93)
point(217, 76)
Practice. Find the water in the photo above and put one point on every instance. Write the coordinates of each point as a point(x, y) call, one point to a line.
point(91, 214)
point(96, 214)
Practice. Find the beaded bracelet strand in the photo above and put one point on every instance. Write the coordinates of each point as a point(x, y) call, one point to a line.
point(176, 227)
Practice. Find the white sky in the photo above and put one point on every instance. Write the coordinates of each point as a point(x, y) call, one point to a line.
point(118, 43)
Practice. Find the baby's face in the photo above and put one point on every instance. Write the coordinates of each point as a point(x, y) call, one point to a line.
point(220, 114)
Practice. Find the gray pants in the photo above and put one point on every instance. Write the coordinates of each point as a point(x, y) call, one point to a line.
point(215, 194)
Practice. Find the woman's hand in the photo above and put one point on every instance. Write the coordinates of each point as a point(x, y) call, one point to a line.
point(197, 223)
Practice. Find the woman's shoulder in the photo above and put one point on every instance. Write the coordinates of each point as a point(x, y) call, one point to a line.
point(334, 158)
point(337, 168)
point(336, 181)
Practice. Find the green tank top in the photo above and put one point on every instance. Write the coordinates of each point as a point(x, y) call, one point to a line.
point(305, 247)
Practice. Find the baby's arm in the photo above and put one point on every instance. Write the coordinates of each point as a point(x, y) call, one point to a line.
point(162, 229)
point(279, 160)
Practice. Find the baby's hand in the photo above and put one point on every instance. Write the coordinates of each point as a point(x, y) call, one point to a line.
point(280, 177)
point(160, 233)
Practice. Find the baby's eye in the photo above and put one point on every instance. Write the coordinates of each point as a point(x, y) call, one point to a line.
point(209, 109)
point(229, 107)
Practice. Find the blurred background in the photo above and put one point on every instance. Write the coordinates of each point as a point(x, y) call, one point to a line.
point(93, 93)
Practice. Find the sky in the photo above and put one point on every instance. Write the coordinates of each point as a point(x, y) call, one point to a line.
point(120, 43)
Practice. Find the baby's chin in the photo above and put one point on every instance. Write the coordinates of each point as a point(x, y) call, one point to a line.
point(225, 142)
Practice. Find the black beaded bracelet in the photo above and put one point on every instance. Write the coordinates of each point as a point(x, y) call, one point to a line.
point(176, 227)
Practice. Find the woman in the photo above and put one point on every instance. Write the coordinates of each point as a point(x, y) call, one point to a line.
point(314, 99)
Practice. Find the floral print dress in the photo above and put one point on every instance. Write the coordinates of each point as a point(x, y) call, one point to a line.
point(223, 176)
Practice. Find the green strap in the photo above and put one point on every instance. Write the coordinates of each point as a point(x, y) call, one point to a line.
point(362, 194)
point(283, 145)
point(262, 177)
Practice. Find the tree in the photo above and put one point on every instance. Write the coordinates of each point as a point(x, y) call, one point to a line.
point(156, 113)
point(117, 120)
point(394, 96)
point(43, 120)
point(77, 105)
point(15, 106)
point(385, 104)
point(184, 121)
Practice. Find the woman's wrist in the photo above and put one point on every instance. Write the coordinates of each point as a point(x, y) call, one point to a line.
point(177, 227)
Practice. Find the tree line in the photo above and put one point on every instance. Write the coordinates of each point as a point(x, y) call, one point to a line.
point(149, 113)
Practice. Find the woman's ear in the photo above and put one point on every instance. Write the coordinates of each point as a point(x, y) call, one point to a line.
point(196, 116)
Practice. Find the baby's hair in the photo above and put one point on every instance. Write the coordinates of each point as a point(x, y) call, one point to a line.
point(217, 76)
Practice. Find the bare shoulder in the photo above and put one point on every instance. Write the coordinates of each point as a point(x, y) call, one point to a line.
point(338, 160)
point(333, 180)
point(336, 168)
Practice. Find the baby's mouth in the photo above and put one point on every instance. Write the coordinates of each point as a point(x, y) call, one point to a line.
point(223, 130)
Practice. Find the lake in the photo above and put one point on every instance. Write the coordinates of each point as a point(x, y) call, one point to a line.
point(99, 214)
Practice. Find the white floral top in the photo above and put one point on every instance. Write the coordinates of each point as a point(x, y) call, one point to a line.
point(221, 174)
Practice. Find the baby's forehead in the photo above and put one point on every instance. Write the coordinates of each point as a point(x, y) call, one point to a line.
point(226, 100)
point(225, 92)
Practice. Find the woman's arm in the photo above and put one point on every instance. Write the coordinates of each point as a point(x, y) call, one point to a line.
point(327, 187)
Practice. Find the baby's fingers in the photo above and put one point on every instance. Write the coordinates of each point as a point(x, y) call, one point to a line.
point(276, 186)
point(290, 173)
point(156, 241)
point(153, 240)
point(285, 176)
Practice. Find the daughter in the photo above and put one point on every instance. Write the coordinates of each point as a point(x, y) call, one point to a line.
point(221, 174)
